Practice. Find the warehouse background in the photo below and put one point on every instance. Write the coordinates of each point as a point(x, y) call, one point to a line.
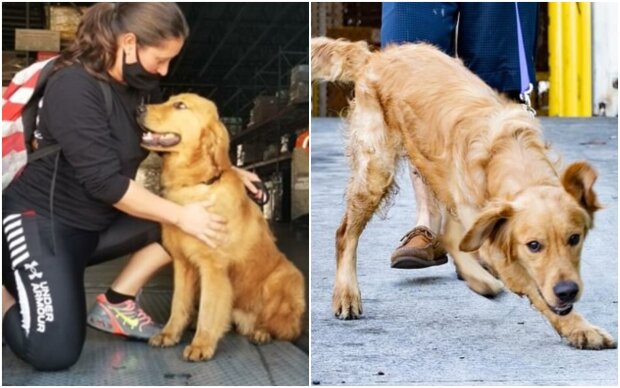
point(251, 59)
point(576, 55)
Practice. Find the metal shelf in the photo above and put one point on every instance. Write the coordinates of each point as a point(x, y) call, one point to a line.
point(291, 114)
point(264, 163)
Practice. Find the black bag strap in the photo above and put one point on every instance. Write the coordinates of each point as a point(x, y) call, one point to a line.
point(51, 149)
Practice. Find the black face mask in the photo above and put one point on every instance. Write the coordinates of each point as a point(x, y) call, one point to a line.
point(137, 77)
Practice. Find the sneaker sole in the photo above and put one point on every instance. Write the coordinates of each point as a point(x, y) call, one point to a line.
point(116, 333)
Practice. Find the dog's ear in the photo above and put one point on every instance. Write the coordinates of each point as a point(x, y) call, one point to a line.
point(218, 144)
point(578, 180)
point(487, 225)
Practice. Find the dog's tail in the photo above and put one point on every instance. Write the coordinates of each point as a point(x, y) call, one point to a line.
point(338, 60)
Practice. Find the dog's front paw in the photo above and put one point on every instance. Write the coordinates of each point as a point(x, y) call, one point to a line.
point(591, 337)
point(347, 302)
point(164, 339)
point(259, 337)
point(198, 352)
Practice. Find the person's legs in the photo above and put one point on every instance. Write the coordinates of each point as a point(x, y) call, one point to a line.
point(420, 247)
point(487, 42)
point(141, 267)
point(432, 23)
point(7, 301)
point(428, 211)
point(117, 311)
point(44, 277)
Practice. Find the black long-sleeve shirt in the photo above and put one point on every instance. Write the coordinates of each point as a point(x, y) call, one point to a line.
point(99, 156)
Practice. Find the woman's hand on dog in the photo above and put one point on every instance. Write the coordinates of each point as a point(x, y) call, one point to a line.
point(197, 219)
point(248, 179)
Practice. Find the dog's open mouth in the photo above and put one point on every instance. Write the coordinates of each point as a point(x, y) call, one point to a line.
point(155, 139)
point(562, 309)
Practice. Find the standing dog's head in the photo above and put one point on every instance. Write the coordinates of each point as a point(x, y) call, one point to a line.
point(543, 229)
point(187, 127)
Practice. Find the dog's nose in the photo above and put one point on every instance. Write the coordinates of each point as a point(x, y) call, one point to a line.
point(566, 291)
point(141, 109)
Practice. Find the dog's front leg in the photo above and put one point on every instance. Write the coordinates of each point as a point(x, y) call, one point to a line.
point(467, 266)
point(182, 309)
point(215, 311)
point(577, 330)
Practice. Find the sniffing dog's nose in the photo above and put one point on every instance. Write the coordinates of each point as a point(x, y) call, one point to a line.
point(566, 291)
point(141, 110)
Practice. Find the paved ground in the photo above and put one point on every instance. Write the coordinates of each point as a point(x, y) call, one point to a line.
point(424, 327)
point(111, 360)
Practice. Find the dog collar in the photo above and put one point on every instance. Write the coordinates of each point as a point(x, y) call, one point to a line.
point(212, 180)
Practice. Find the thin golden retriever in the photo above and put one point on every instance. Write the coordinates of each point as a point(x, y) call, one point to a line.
point(483, 158)
point(247, 280)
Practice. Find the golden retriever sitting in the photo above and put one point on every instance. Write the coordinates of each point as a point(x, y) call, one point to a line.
point(247, 280)
point(483, 158)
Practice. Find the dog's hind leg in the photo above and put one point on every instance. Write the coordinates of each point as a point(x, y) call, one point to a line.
point(467, 266)
point(373, 162)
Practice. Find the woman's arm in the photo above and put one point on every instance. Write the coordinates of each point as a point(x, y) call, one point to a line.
point(194, 219)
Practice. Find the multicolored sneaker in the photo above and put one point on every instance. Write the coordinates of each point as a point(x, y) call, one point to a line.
point(126, 319)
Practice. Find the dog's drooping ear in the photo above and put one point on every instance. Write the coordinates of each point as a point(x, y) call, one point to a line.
point(488, 223)
point(578, 180)
point(215, 141)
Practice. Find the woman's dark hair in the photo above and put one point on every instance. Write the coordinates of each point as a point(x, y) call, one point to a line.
point(95, 45)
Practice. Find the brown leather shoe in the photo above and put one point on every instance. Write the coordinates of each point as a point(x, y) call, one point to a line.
point(420, 248)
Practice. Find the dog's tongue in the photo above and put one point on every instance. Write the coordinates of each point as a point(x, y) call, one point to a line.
point(159, 139)
point(168, 139)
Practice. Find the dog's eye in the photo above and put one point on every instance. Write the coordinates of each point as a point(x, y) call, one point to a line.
point(534, 246)
point(573, 240)
point(179, 105)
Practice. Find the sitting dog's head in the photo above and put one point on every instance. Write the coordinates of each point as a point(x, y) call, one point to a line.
point(543, 229)
point(187, 126)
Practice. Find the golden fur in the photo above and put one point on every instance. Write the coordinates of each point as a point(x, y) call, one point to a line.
point(247, 280)
point(484, 161)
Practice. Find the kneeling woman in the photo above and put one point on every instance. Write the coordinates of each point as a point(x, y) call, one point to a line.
point(81, 206)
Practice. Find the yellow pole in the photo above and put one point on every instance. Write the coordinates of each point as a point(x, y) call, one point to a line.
point(555, 59)
point(569, 58)
point(584, 28)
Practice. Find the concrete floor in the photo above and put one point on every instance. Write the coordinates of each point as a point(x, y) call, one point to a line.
point(112, 360)
point(425, 327)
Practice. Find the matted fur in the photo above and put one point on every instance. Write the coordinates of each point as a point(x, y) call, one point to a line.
point(247, 280)
point(483, 159)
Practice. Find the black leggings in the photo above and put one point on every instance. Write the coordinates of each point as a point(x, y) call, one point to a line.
point(47, 325)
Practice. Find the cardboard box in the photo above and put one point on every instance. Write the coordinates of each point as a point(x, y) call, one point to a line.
point(37, 40)
point(65, 20)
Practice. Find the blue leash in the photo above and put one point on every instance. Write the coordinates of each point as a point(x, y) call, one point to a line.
point(526, 84)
